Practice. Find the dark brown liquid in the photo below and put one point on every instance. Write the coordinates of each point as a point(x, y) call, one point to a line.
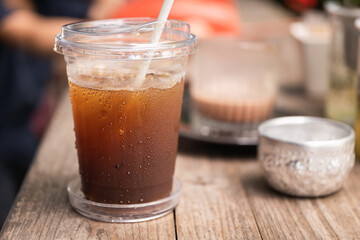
point(126, 142)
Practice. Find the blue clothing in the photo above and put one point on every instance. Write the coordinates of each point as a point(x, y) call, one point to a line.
point(3, 11)
point(22, 81)
point(23, 78)
point(63, 8)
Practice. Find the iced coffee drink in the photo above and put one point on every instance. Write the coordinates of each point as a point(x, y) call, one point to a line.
point(126, 130)
point(127, 139)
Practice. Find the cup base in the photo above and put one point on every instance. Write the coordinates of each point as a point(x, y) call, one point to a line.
point(122, 213)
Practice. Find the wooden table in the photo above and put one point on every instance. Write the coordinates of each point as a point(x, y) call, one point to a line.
point(224, 193)
point(224, 197)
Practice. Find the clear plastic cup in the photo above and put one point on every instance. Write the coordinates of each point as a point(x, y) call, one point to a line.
point(234, 87)
point(126, 132)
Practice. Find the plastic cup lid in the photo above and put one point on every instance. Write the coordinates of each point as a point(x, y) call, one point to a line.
point(126, 38)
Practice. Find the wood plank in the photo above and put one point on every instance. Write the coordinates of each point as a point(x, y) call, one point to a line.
point(282, 217)
point(342, 210)
point(42, 210)
point(213, 204)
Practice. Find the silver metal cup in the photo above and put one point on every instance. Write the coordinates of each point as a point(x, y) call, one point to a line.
point(306, 156)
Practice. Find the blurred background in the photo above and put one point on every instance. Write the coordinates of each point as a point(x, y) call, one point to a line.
point(33, 77)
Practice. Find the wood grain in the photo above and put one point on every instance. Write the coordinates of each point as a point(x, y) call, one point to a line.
point(283, 217)
point(213, 204)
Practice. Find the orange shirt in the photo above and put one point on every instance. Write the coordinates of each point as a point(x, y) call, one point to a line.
point(206, 17)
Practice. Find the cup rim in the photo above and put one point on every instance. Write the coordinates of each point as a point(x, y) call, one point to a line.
point(65, 42)
point(242, 43)
point(305, 119)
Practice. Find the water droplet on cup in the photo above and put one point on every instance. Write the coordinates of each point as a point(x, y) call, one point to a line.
point(103, 114)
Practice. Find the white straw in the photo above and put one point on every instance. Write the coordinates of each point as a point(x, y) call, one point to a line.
point(163, 15)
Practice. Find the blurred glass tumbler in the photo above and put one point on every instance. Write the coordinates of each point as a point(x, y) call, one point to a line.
point(357, 121)
point(126, 133)
point(341, 96)
point(313, 33)
point(235, 81)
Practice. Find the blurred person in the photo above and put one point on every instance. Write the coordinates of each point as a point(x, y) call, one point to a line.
point(27, 30)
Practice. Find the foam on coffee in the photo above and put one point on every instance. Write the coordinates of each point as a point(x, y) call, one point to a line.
point(113, 77)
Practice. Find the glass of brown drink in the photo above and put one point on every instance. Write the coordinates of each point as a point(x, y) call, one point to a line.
point(234, 88)
point(126, 130)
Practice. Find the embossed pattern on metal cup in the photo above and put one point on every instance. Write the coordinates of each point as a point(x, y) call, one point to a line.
point(306, 156)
